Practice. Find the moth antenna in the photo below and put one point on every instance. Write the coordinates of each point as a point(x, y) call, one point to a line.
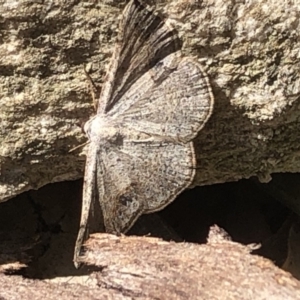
point(79, 146)
point(92, 87)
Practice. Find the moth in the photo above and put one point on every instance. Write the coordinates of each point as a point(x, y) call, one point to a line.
point(152, 105)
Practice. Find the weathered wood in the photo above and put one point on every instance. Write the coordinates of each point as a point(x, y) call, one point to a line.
point(149, 268)
point(16, 287)
point(292, 263)
point(156, 269)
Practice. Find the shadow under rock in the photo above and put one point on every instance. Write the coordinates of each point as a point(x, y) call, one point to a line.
point(39, 228)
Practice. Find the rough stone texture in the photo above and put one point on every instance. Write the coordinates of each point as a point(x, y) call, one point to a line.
point(250, 51)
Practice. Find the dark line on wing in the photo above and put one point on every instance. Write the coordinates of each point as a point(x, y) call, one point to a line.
point(134, 60)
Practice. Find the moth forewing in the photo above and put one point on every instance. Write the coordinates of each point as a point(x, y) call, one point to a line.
point(153, 103)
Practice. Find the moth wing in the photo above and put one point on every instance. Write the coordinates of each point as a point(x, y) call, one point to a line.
point(144, 39)
point(173, 104)
point(91, 215)
point(142, 177)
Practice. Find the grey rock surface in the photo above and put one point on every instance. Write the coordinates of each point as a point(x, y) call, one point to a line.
point(249, 50)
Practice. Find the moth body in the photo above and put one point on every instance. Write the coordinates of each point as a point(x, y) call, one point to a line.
point(100, 129)
point(153, 104)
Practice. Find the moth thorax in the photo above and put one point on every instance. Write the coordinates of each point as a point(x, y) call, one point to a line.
point(100, 128)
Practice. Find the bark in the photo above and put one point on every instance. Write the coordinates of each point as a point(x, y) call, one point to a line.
point(149, 268)
point(292, 262)
point(250, 51)
point(219, 270)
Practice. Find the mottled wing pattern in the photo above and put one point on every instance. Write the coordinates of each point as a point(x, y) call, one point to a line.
point(143, 40)
point(143, 177)
point(153, 103)
point(176, 107)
